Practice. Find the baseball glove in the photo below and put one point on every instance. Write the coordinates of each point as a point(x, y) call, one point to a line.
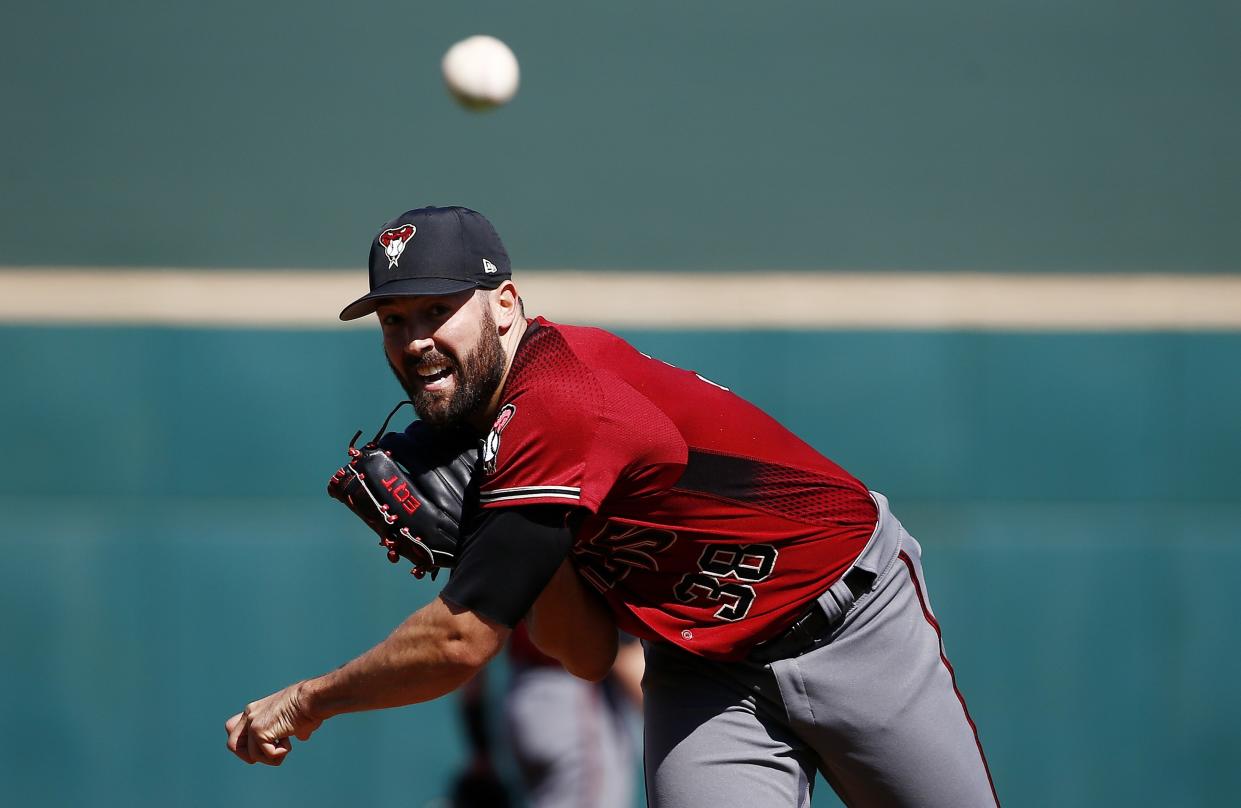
point(413, 488)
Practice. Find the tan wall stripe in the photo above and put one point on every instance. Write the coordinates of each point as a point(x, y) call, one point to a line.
point(658, 300)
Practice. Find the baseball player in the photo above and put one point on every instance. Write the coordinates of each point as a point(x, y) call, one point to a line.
point(572, 740)
point(783, 607)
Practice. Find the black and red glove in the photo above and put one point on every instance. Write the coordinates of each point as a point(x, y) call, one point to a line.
point(414, 489)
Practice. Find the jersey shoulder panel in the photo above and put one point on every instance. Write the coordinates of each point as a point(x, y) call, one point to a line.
point(571, 432)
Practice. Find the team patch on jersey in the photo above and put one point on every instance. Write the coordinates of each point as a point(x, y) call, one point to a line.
point(394, 242)
point(491, 446)
point(607, 557)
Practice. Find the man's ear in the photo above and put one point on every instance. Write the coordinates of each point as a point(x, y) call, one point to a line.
point(505, 305)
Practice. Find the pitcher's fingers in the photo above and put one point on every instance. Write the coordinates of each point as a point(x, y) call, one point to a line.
point(241, 747)
point(274, 753)
point(252, 745)
point(236, 737)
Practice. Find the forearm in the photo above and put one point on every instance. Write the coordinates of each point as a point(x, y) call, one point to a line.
point(572, 624)
point(432, 653)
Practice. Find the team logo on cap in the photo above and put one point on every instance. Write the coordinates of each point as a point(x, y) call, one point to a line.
point(394, 242)
point(489, 267)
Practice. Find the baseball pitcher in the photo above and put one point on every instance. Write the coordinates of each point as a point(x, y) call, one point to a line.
point(785, 615)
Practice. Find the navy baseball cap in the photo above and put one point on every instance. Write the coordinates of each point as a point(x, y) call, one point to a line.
point(432, 251)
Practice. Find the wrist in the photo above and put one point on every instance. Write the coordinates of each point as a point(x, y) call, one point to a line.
point(313, 700)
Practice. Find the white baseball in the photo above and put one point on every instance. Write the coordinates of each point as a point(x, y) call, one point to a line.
point(481, 72)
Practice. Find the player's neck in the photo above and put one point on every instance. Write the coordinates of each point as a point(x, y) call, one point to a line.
point(509, 341)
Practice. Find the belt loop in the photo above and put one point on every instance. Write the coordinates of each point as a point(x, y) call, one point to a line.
point(836, 601)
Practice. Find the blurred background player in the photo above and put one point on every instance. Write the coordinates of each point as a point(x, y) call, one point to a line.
point(573, 741)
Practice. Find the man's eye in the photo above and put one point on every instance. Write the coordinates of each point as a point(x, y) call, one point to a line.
point(391, 319)
point(438, 311)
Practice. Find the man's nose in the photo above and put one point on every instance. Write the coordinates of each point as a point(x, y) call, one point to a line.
point(417, 346)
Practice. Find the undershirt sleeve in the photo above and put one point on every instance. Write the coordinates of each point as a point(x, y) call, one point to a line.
point(507, 560)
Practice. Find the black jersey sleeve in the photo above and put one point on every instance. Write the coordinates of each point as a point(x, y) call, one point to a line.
point(507, 559)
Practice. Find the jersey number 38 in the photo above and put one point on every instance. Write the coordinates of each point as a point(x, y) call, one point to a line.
point(725, 574)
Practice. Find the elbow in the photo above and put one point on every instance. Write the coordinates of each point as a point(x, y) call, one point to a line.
point(583, 661)
point(590, 672)
point(594, 666)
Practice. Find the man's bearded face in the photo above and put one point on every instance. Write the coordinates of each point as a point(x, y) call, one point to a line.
point(448, 388)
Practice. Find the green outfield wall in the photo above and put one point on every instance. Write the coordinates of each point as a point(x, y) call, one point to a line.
point(170, 553)
point(1052, 135)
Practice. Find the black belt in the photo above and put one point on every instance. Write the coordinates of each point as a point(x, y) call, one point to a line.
point(813, 628)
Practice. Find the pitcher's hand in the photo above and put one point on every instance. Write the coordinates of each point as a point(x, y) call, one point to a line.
point(261, 733)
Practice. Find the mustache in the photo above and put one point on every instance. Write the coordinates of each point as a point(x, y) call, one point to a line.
point(411, 365)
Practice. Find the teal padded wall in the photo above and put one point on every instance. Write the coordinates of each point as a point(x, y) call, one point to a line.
point(170, 555)
point(948, 415)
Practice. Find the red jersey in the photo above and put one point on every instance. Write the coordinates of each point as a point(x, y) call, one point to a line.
point(706, 523)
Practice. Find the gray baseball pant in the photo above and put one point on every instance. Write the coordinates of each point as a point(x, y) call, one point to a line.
point(874, 707)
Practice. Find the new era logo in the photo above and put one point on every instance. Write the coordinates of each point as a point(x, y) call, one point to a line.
point(489, 267)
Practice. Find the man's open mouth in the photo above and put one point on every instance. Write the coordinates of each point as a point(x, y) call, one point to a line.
point(431, 374)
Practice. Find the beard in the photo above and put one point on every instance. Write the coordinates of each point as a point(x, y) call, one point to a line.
point(476, 377)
